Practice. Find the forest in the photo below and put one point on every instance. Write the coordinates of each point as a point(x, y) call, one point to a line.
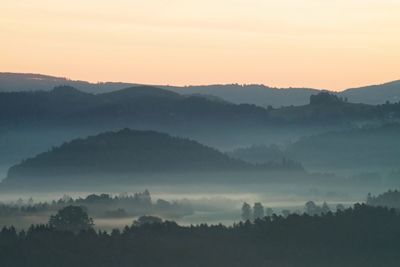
point(296, 240)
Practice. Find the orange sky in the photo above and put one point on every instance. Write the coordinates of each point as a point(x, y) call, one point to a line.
point(332, 44)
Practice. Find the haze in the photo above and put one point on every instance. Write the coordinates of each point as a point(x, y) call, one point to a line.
point(321, 44)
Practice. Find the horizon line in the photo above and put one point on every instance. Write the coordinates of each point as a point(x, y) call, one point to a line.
point(58, 76)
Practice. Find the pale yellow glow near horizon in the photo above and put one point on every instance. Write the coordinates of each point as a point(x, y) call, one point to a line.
point(331, 44)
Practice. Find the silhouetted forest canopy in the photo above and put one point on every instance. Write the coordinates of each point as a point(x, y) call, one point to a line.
point(311, 208)
point(357, 236)
point(389, 199)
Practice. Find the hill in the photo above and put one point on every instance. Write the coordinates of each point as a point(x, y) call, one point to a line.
point(18, 82)
point(139, 103)
point(256, 94)
point(122, 152)
point(259, 95)
point(251, 94)
point(367, 152)
point(146, 105)
point(327, 108)
point(361, 149)
point(374, 94)
point(265, 96)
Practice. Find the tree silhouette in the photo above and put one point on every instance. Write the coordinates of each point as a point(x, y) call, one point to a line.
point(258, 211)
point(71, 218)
point(142, 220)
point(325, 98)
point(340, 207)
point(246, 212)
point(311, 208)
point(269, 212)
point(325, 208)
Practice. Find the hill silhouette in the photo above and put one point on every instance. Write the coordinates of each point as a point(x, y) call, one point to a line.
point(256, 94)
point(326, 108)
point(18, 82)
point(148, 105)
point(140, 104)
point(366, 148)
point(367, 152)
point(125, 151)
point(374, 94)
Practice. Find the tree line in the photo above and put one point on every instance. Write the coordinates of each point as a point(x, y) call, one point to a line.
point(311, 208)
point(390, 199)
point(357, 236)
point(103, 205)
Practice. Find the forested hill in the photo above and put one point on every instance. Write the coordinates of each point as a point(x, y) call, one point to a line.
point(135, 105)
point(125, 151)
point(374, 94)
point(264, 96)
point(373, 148)
point(18, 82)
point(152, 106)
point(257, 94)
point(327, 108)
point(362, 151)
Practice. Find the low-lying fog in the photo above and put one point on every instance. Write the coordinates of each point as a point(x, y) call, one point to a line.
point(211, 204)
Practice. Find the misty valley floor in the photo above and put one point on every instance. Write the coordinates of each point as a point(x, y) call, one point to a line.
point(211, 203)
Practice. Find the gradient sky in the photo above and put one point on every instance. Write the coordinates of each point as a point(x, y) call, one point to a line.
point(332, 44)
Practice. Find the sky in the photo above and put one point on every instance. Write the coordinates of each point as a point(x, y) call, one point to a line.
point(327, 44)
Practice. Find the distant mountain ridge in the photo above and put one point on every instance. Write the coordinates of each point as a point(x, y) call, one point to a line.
point(17, 82)
point(139, 104)
point(153, 106)
point(374, 94)
point(260, 95)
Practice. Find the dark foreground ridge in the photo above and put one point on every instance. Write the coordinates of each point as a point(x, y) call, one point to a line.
point(359, 236)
